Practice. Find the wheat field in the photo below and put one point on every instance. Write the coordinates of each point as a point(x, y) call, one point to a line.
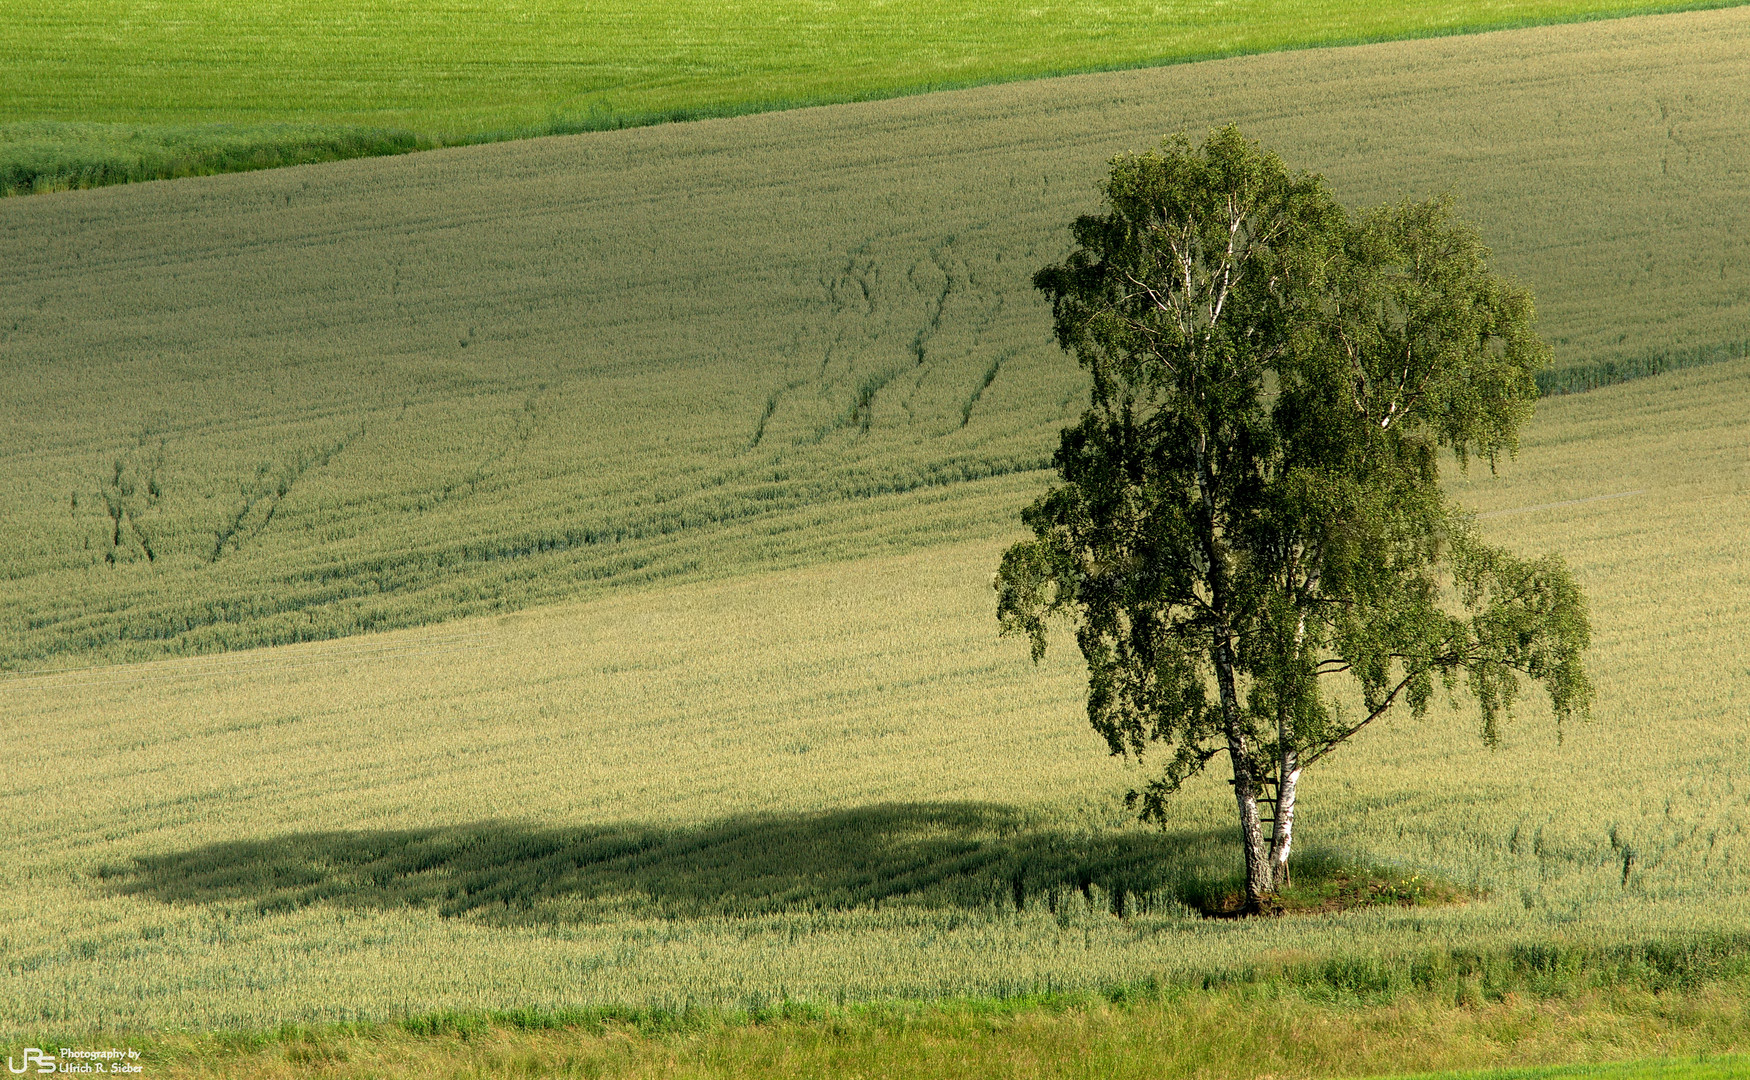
point(317, 402)
point(834, 784)
point(556, 575)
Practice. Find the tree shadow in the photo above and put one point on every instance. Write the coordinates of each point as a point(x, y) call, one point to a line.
point(918, 855)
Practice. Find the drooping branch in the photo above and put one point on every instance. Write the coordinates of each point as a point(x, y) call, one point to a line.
point(1325, 746)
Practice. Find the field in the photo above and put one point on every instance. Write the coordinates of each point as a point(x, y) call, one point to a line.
point(308, 403)
point(832, 786)
point(526, 607)
point(101, 92)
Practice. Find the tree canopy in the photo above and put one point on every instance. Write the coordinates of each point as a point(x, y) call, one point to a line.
point(1251, 507)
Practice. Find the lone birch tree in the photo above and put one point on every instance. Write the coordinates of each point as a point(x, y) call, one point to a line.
point(1251, 508)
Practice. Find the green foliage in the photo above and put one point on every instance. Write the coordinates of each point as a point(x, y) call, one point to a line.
point(1253, 500)
point(1164, 303)
point(127, 92)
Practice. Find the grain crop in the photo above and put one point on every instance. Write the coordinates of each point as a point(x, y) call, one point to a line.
point(315, 402)
point(833, 784)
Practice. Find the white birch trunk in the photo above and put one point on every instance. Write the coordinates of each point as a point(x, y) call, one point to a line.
point(1245, 784)
point(1283, 834)
point(1222, 658)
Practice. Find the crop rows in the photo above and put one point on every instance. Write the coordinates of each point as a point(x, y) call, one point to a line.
point(316, 402)
point(835, 784)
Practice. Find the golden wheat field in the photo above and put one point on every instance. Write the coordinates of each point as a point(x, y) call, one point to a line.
point(314, 402)
point(835, 784)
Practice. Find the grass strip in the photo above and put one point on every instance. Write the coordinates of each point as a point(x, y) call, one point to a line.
point(1579, 378)
point(50, 156)
point(1272, 1028)
point(196, 89)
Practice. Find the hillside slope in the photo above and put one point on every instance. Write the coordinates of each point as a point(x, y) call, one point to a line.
point(123, 90)
point(836, 784)
point(294, 405)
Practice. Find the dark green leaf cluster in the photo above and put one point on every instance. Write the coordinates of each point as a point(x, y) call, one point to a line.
point(1252, 503)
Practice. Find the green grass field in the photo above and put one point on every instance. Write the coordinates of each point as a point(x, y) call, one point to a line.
point(101, 92)
point(315, 402)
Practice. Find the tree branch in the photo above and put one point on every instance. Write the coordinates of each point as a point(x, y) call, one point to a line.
point(1332, 744)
